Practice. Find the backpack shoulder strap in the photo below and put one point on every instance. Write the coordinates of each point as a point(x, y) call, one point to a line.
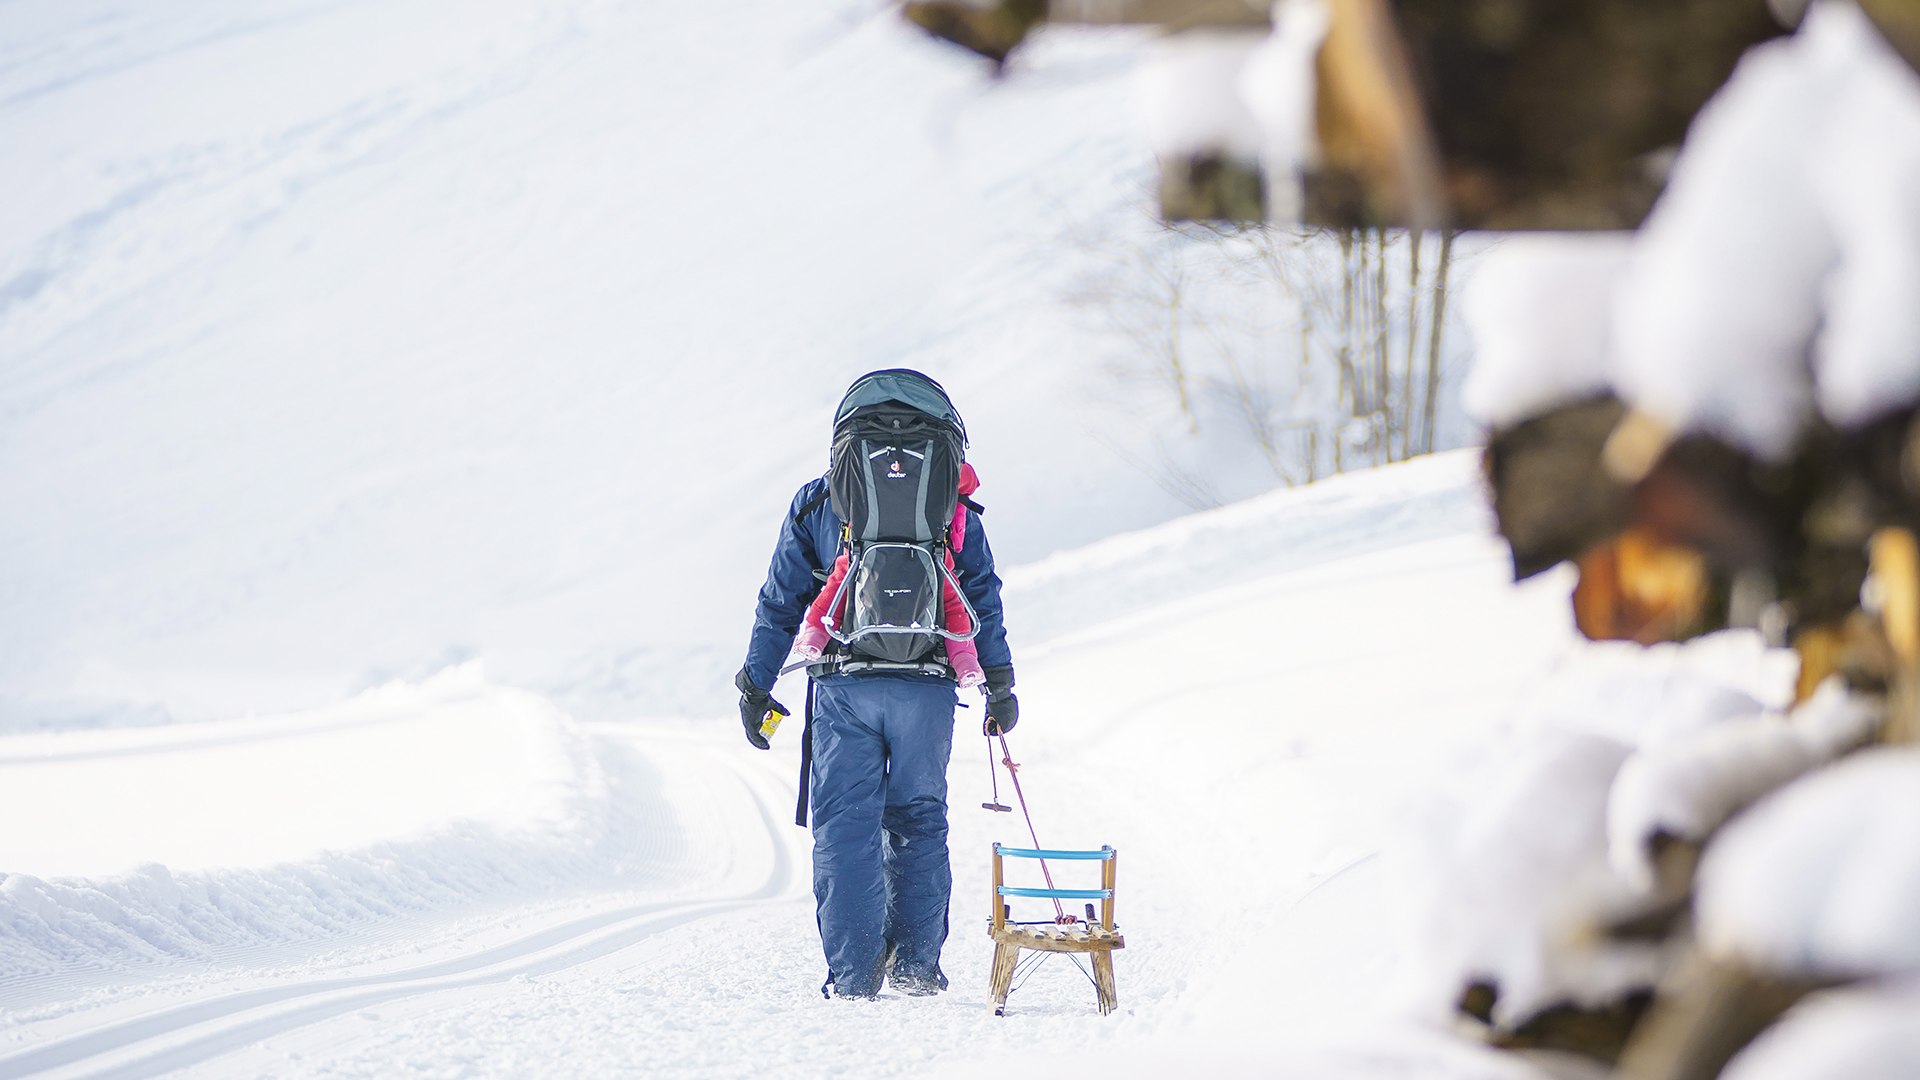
point(967, 501)
point(810, 506)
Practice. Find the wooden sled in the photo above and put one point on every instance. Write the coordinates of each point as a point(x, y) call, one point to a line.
point(1098, 937)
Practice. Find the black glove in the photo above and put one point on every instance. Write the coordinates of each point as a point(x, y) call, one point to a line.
point(1003, 709)
point(755, 704)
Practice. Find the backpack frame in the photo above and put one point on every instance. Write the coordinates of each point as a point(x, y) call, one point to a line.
point(897, 449)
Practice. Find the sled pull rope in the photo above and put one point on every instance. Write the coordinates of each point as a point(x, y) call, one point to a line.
point(1013, 772)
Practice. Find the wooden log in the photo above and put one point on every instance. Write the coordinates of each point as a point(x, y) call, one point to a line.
point(1903, 710)
point(995, 29)
point(1551, 498)
point(1168, 14)
point(1894, 557)
point(1378, 164)
point(1666, 913)
point(1549, 115)
point(1898, 22)
point(1854, 648)
point(1636, 588)
point(1594, 1033)
point(1212, 187)
point(1705, 1014)
point(992, 31)
point(1599, 1034)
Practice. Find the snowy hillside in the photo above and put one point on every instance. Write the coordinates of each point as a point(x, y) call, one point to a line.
point(344, 342)
point(575, 898)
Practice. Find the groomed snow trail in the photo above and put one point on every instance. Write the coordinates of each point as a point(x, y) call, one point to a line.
point(738, 858)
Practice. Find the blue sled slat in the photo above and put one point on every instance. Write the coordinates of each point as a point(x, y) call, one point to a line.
point(1056, 894)
point(1048, 853)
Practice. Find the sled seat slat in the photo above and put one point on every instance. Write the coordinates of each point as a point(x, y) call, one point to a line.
point(1059, 939)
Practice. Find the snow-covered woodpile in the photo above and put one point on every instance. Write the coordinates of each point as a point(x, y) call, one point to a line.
point(1728, 438)
point(1715, 419)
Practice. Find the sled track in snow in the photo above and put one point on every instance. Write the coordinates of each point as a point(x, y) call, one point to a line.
point(199, 1031)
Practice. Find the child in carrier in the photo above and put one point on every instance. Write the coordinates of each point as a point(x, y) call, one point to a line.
point(964, 658)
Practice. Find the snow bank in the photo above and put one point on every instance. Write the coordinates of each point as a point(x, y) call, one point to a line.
point(1823, 877)
point(1865, 172)
point(1505, 863)
point(179, 843)
point(1643, 696)
point(1793, 212)
point(1188, 93)
point(1291, 529)
point(1684, 787)
point(1864, 1033)
point(1511, 886)
point(1539, 309)
point(392, 764)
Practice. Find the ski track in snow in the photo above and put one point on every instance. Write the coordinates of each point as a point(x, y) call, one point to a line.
point(209, 1026)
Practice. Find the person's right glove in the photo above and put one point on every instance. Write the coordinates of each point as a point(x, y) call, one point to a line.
point(1003, 709)
point(755, 705)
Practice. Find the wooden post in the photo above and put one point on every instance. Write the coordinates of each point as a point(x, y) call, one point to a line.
point(1895, 558)
point(1108, 872)
point(1707, 1011)
point(1005, 956)
point(1103, 982)
point(998, 918)
point(1896, 566)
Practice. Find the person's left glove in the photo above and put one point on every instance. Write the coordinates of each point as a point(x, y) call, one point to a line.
point(1003, 709)
point(755, 706)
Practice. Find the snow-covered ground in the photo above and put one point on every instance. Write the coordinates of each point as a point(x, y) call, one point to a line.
point(532, 894)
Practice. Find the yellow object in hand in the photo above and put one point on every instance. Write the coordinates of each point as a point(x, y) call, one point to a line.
point(772, 723)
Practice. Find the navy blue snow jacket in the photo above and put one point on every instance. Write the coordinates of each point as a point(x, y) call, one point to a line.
point(811, 542)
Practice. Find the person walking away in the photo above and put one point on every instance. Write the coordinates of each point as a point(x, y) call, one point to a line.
point(882, 695)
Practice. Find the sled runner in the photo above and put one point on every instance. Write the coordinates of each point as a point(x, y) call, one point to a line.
point(1066, 934)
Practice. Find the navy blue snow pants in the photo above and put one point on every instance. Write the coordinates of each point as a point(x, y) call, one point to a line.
point(881, 878)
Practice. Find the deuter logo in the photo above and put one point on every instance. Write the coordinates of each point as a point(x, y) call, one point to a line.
point(896, 472)
point(898, 592)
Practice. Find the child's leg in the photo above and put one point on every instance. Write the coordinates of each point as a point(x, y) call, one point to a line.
point(813, 638)
point(961, 654)
point(966, 663)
